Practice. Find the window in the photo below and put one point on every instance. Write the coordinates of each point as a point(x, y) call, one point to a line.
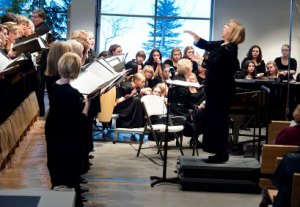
point(146, 25)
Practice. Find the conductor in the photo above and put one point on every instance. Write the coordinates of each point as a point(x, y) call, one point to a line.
point(222, 63)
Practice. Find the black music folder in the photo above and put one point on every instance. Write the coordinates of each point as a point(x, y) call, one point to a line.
point(8, 65)
point(117, 62)
point(35, 44)
point(99, 74)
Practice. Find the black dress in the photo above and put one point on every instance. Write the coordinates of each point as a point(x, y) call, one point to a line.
point(222, 63)
point(281, 67)
point(65, 136)
point(131, 112)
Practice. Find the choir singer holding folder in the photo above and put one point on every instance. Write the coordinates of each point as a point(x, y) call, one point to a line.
point(66, 127)
point(222, 63)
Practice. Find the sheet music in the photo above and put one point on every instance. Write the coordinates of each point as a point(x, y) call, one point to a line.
point(31, 45)
point(106, 65)
point(117, 62)
point(183, 83)
point(9, 64)
point(4, 60)
point(94, 78)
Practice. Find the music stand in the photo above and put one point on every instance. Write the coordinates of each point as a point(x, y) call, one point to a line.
point(164, 179)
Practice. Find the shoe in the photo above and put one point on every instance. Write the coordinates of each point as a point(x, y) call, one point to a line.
point(84, 199)
point(83, 181)
point(218, 158)
point(91, 156)
point(83, 190)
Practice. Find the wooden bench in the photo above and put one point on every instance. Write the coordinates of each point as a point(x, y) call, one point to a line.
point(295, 199)
point(269, 161)
point(274, 128)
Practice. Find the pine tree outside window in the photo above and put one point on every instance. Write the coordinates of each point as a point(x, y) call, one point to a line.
point(150, 24)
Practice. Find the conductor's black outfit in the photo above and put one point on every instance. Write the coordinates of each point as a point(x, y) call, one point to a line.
point(222, 63)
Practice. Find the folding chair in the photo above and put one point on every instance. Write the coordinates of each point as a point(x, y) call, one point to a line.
point(155, 106)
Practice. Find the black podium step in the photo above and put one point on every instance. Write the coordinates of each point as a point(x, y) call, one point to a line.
point(237, 175)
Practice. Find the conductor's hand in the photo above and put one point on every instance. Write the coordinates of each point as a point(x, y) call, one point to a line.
point(193, 34)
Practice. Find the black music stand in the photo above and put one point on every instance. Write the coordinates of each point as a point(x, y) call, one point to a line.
point(164, 179)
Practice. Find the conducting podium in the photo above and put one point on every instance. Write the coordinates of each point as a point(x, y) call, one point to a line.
point(238, 175)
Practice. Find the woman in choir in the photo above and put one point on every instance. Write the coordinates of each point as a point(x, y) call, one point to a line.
point(163, 88)
point(189, 53)
point(148, 73)
point(136, 65)
point(79, 34)
point(176, 55)
point(156, 91)
point(14, 33)
point(200, 73)
point(155, 60)
point(168, 73)
point(115, 49)
point(283, 63)
point(30, 28)
point(184, 98)
point(23, 23)
point(51, 73)
point(4, 36)
point(272, 71)
point(128, 102)
point(91, 55)
point(65, 127)
point(248, 72)
point(222, 63)
point(80, 47)
point(255, 54)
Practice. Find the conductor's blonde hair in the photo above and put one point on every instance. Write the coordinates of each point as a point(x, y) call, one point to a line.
point(238, 33)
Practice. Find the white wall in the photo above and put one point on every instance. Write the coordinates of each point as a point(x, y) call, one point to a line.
point(82, 15)
point(266, 23)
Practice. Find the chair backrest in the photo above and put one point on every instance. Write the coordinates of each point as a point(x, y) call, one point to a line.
point(154, 105)
point(107, 103)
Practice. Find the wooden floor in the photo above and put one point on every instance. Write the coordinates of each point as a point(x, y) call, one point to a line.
point(28, 168)
point(117, 178)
